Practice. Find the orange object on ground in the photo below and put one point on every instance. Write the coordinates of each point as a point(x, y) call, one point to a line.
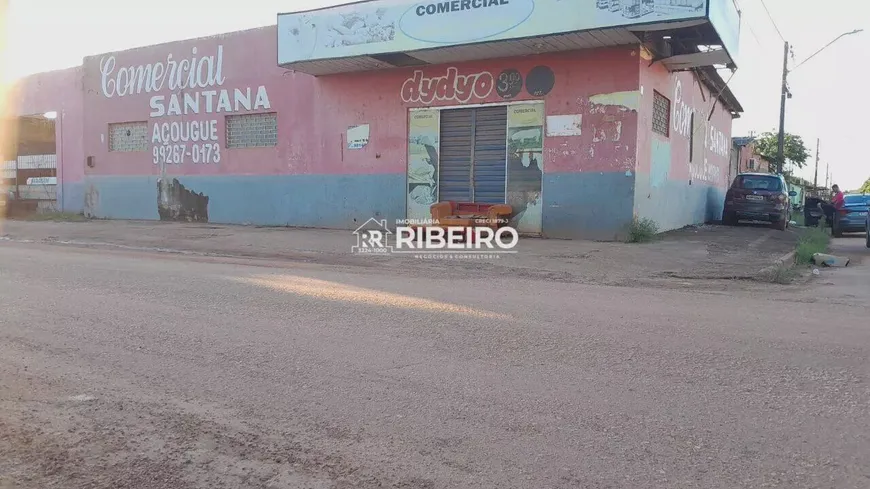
point(470, 214)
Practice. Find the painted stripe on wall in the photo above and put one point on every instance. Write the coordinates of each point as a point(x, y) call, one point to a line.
point(71, 196)
point(327, 201)
point(587, 205)
point(674, 204)
point(575, 205)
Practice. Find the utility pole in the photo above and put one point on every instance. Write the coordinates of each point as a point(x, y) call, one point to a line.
point(785, 93)
point(828, 175)
point(816, 177)
point(780, 153)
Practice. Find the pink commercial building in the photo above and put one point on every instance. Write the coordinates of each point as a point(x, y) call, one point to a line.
point(580, 121)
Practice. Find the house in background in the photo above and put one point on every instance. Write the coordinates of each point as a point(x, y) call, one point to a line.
point(746, 159)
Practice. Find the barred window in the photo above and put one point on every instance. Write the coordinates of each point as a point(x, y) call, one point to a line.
point(661, 114)
point(252, 130)
point(128, 136)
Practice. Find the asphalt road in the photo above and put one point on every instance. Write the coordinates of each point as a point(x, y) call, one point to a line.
point(126, 370)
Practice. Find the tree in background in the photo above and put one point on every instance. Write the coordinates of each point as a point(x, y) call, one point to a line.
point(795, 151)
point(865, 189)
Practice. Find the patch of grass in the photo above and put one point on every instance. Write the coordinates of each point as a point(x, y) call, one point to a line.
point(57, 217)
point(811, 241)
point(642, 230)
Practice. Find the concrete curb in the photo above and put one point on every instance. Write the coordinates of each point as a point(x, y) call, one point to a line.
point(786, 258)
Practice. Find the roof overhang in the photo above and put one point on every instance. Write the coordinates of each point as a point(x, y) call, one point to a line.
point(682, 62)
point(711, 77)
point(382, 34)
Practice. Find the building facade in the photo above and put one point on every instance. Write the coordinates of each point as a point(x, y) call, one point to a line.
point(748, 159)
point(349, 125)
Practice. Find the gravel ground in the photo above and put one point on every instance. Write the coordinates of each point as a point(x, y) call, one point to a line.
point(122, 369)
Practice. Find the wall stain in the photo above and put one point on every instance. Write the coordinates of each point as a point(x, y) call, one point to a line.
point(625, 101)
point(177, 203)
point(92, 200)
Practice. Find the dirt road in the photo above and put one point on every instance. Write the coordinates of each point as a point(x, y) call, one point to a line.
point(122, 369)
point(714, 254)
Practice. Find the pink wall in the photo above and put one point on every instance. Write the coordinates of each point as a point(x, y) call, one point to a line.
point(381, 99)
point(672, 186)
point(712, 145)
point(315, 113)
point(57, 91)
point(241, 60)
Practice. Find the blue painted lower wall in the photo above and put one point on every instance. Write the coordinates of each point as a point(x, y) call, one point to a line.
point(675, 204)
point(587, 205)
point(583, 205)
point(71, 197)
point(325, 201)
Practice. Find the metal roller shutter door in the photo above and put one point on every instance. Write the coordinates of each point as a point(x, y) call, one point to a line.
point(473, 155)
point(490, 154)
point(454, 176)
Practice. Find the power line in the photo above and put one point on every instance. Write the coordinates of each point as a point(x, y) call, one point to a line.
point(763, 45)
point(772, 21)
point(752, 31)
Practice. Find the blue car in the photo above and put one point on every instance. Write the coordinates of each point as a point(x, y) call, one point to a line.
point(867, 231)
point(852, 218)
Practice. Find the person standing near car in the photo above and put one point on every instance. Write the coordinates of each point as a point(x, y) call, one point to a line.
point(838, 200)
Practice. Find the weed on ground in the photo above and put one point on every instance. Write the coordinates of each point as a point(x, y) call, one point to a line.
point(57, 217)
point(811, 241)
point(642, 230)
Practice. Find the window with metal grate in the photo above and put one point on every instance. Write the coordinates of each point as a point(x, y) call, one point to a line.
point(252, 130)
point(661, 122)
point(128, 136)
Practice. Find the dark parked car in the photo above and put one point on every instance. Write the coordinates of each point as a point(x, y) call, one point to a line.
point(758, 197)
point(852, 217)
point(813, 211)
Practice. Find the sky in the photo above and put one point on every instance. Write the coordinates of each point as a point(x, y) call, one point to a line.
point(829, 101)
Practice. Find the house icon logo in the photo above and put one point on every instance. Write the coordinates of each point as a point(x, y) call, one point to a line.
point(372, 236)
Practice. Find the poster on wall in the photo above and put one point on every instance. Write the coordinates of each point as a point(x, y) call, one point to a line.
point(525, 165)
point(424, 130)
point(357, 136)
